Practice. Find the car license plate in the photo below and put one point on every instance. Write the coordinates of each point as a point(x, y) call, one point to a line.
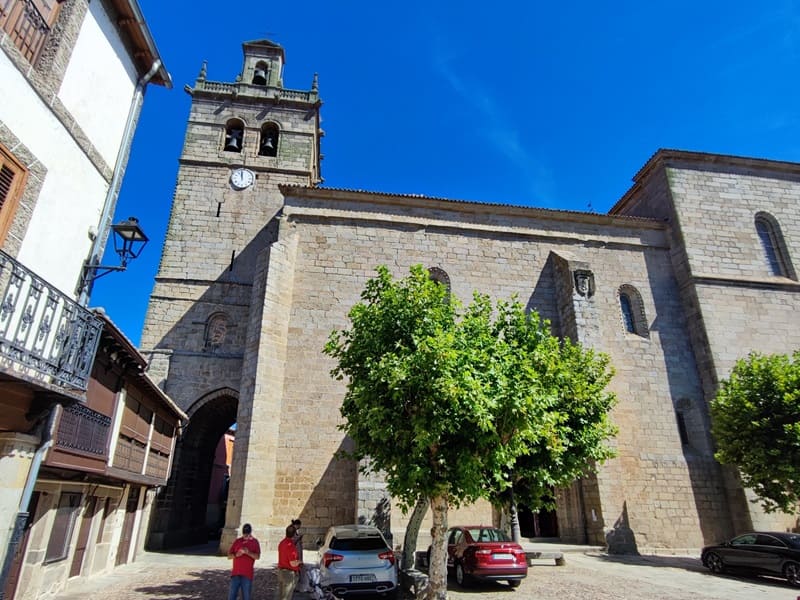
point(362, 578)
point(503, 556)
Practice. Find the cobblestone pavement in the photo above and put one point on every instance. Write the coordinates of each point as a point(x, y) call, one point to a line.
point(585, 576)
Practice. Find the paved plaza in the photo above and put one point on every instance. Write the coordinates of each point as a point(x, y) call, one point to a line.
point(199, 575)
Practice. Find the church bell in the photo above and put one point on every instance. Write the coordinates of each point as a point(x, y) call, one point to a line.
point(260, 77)
point(232, 142)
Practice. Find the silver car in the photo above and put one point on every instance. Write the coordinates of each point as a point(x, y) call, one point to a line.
point(355, 559)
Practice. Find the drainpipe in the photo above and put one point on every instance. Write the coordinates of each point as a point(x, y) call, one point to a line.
point(110, 205)
point(22, 514)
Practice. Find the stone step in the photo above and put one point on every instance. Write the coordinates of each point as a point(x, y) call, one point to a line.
point(548, 555)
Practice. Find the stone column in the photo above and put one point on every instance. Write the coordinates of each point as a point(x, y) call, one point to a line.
point(16, 454)
point(251, 495)
point(373, 504)
point(575, 287)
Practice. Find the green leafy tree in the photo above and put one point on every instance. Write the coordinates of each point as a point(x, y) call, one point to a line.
point(450, 401)
point(756, 424)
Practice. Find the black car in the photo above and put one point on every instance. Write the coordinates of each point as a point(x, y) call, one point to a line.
point(764, 553)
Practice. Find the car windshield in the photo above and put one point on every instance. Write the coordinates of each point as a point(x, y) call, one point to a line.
point(793, 541)
point(488, 534)
point(358, 543)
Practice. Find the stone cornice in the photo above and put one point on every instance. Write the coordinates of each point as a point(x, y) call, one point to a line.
point(772, 283)
point(255, 94)
point(309, 204)
point(467, 206)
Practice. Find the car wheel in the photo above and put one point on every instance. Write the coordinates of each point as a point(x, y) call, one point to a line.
point(462, 578)
point(792, 573)
point(514, 583)
point(714, 563)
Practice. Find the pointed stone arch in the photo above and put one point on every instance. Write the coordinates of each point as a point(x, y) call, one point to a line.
point(179, 515)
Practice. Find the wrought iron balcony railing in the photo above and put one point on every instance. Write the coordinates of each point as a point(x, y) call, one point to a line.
point(45, 336)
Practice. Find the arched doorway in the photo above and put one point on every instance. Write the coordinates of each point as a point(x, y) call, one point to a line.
point(539, 524)
point(180, 513)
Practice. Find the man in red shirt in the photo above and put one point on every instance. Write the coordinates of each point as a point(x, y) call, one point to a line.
point(244, 552)
point(288, 565)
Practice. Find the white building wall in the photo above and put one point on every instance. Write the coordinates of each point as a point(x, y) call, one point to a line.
point(98, 88)
point(99, 82)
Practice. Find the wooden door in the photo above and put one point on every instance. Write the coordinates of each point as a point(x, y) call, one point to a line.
point(83, 536)
point(127, 526)
point(19, 552)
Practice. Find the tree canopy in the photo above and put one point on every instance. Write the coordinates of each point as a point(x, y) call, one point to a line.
point(756, 424)
point(458, 403)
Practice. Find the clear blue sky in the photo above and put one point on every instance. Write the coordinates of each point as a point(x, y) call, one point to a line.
point(545, 104)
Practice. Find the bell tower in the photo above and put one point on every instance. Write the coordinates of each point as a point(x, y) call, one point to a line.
point(263, 64)
point(244, 138)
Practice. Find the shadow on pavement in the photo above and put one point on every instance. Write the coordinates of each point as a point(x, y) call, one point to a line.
point(208, 583)
point(690, 563)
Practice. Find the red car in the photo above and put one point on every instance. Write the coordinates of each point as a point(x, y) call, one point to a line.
point(487, 553)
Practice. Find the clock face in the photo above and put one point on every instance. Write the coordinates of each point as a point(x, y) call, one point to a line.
point(242, 178)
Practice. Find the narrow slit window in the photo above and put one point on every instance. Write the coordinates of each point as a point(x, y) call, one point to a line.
point(631, 309)
point(627, 313)
point(769, 236)
point(682, 430)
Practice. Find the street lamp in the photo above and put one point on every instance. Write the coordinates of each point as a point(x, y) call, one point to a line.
point(129, 241)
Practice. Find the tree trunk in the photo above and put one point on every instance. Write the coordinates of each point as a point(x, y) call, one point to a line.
point(437, 570)
point(412, 532)
point(516, 534)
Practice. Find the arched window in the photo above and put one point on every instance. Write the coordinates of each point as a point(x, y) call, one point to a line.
point(775, 252)
point(440, 276)
point(234, 135)
point(627, 313)
point(632, 311)
point(261, 73)
point(268, 144)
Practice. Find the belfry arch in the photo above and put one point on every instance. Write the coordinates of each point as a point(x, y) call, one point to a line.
point(179, 514)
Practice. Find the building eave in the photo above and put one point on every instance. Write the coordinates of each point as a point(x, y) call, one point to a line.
point(132, 23)
point(477, 207)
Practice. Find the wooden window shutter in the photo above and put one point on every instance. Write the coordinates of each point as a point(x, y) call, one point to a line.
point(28, 23)
point(12, 181)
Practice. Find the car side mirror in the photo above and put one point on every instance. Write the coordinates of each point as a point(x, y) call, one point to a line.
point(318, 542)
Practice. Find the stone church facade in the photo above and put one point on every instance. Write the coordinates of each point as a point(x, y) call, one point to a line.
point(689, 271)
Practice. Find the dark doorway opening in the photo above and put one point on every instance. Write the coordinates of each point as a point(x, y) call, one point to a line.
point(181, 512)
point(539, 524)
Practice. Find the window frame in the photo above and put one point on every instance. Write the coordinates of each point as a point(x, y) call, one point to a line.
point(27, 36)
point(638, 317)
point(60, 538)
point(11, 196)
point(272, 128)
point(231, 125)
point(773, 246)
